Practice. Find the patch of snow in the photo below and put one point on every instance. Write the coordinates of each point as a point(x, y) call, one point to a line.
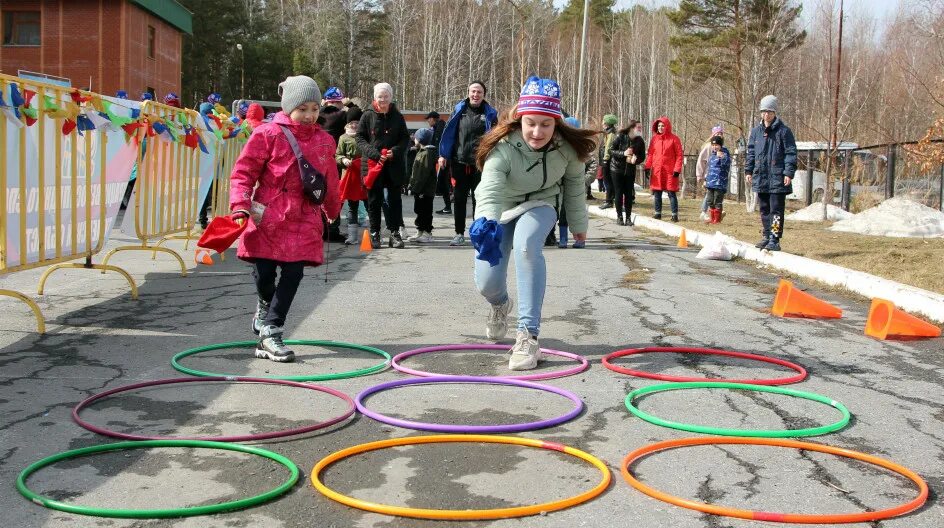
point(814, 213)
point(895, 217)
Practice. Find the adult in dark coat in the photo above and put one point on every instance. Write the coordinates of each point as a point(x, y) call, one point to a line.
point(626, 152)
point(334, 114)
point(472, 118)
point(769, 167)
point(382, 127)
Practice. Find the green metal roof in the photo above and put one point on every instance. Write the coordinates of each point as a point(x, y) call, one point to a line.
point(169, 11)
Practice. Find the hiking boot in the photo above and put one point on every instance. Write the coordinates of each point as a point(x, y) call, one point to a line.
point(262, 310)
point(657, 216)
point(496, 326)
point(606, 206)
point(375, 240)
point(458, 240)
point(351, 235)
point(526, 353)
point(763, 243)
point(773, 245)
point(444, 211)
point(620, 221)
point(395, 240)
point(551, 239)
point(675, 218)
point(271, 346)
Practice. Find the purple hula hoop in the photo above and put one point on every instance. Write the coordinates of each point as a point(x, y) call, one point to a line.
point(584, 364)
point(442, 428)
point(238, 438)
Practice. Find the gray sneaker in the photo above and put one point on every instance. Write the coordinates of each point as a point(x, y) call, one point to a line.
point(271, 346)
point(458, 240)
point(496, 326)
point(262, 310)
point(526, 353)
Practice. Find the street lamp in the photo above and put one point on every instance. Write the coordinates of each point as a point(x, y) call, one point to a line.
point(242, 71)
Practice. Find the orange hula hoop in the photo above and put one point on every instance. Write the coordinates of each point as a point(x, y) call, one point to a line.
point(799, 518)
point(459, 515)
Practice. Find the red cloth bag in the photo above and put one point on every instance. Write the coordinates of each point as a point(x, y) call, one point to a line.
point(221, 233)
point(373, 169)
point(351, 186)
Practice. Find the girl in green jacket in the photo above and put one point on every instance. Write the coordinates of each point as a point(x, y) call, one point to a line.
point(531, 163)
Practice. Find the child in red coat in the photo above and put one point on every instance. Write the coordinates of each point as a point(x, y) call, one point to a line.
point(285, 230)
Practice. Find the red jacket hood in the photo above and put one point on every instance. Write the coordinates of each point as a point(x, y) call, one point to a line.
point(255, 112)
point(668, 125)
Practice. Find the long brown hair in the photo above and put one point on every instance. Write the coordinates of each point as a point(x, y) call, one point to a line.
point(582, 140)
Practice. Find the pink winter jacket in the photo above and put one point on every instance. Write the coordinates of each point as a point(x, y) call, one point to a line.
point(291, 226)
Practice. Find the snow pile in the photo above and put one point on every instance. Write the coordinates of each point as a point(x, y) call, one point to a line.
point(814, 213)
point(895, 217)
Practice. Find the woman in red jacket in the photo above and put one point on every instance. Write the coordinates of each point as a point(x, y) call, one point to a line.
point(664, 165)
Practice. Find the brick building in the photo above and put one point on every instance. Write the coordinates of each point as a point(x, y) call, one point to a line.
point(107, 45)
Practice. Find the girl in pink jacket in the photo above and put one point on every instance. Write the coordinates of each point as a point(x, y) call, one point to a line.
point(285, 230)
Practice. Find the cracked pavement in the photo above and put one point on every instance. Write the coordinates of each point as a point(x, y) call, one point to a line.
point(626, 289)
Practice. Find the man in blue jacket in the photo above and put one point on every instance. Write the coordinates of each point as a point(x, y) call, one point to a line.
point(472, 118)
point(769, 168)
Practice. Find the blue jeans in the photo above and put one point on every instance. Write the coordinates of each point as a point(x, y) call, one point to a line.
point(673, 201)
point(525, 237)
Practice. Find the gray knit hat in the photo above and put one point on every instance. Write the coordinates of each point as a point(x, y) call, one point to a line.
point(768, 103)
point(298, 90)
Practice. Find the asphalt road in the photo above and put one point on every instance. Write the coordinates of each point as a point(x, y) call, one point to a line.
point(626, 289)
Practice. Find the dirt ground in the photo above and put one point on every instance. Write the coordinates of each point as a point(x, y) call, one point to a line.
point(912, 261)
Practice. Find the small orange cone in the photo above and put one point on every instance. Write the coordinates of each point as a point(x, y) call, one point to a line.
point(202, 256)
point(683, 240)
point(791, 302)
point(366, 246)
point(885, 320)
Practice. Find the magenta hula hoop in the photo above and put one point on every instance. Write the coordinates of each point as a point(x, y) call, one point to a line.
point(235, 438)
point(800, 376)
point(582, 366)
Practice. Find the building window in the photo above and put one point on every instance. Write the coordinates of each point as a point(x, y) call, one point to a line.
point(21, 28)
point(152, 38)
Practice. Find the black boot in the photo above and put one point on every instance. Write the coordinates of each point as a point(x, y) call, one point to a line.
point(619, 219)
point(763, 242)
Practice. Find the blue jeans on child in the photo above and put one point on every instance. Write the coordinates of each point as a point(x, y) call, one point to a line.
point(524, 237)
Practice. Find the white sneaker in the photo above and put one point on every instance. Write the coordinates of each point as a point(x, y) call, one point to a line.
point(496, 326)
point(425, 238)
point(704, 216)
point(458, 240)
point(403, 234)
point(526, 353)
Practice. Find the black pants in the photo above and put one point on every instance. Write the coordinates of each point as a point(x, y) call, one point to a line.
point(279, 296)
point(624, 189)
point(608, 181)
point(467, 179)
point(772, 213)
point(715, 198)
point(392, 207)
point(352, 206)
point(444, 187)
point(423, 207)
point(207, 203)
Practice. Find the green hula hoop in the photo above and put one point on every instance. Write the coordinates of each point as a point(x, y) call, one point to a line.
point(162, 513)
point(757, 433)
point(175, 361)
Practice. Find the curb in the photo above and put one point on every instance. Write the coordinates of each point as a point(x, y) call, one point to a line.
point(908, 298)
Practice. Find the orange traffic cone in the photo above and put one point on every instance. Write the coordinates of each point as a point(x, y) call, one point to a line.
point(791, 302)
point(885, 320)
point(683, 240)
point(366, 246)
point(202, 256)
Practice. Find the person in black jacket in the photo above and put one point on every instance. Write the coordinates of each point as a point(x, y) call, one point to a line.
point(628, 150)
point(383, 127)
point(333, 113)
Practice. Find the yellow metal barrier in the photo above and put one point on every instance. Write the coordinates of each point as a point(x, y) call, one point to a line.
point(60, 215)
point(167, 188)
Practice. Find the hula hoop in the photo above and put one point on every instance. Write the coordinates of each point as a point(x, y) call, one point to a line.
point(459, 515)
point(758, 433)
point(800, 376)
point(161, 513)
point(175, 361)
point(584, 364)
point(235, 438)
point(443, 428)
point(802, 518)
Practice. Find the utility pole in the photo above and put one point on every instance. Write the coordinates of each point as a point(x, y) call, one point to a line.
point(583, 52)
point(834, 141)
point(242, 72)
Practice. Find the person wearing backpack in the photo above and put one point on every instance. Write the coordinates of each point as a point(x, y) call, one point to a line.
point(284, 169)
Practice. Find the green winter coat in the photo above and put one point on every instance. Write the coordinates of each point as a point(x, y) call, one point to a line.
point(423, 179)
point(514, 174)
point(347, 148)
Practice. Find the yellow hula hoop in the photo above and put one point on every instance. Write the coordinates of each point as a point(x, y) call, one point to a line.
point(459, 515)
